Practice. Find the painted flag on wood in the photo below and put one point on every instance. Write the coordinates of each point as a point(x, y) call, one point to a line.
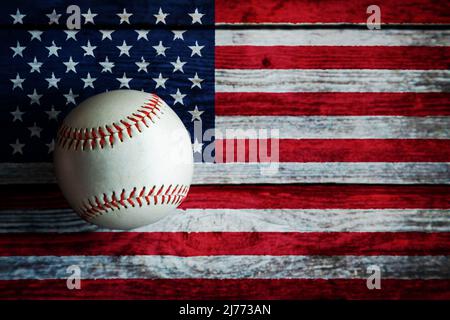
point(357, 125)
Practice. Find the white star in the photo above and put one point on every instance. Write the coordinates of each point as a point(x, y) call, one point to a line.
point(17, 82)
point(35, 34)
point(161, 16)
point(106, 34)
point(196, 146)
point(18, 17)
point(53, 17)
point(71, 65)
point(196, 16)
point(142, 65)
point(51, 146)
point(107, 66)
point(178, 34)
point(160, 81)
point(18, 49)
point(71, 34)
point(89, 50)
point(70, 97)
point(88, 81)
point(178, 65)
point(35, 66)
point(142, 34)
point(196, 114)
point(124, 16)
point(178, 97)
point(53, 82)
point(35, 130)
point(160, 49)
point(17, 147)
point(34, 97)
point(196, 81)
point(124, 81)
point(53, 114)
point(17, 114)
point(53, 50)
point(196, 49)
point(124, 49)
point(89, 16)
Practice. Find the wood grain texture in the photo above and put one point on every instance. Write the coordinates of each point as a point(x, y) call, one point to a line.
point(277, 241)
point(225, 243)
point(106, 18)
point(332, 104)
point(333, 150)
point(336, 172)
point(333, 127)
point(331, 80)
point(331, 37)
point(244, 220)
point(224, 267)
point(288, 196)
point(277, 173)
point(334, 11)
point(330, 57)
point(227, 289)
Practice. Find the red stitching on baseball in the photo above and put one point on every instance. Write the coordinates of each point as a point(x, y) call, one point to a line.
point(103, 204)
point(109, 134)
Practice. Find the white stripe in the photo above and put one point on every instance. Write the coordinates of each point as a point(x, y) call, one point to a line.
point(245, 220)
point(331, 37)
point(336, 172)
point(331, 80)
point(334, 127)
point(293, 172)
point(224, 267)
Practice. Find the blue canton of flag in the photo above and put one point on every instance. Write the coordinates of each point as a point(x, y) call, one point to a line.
point(46, 69)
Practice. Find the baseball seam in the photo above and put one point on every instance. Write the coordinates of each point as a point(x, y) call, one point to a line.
point(156, 195)
point(109, 134)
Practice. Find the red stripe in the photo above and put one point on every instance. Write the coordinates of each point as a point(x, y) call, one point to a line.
point(320, 196)
point(331, 11)
point(200, 289)
point(310, 196)
point(333, 150)
point(332, 104)
point(225, 243)
point(332, 57)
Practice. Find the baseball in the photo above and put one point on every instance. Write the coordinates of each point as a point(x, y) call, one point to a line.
point(123, 159)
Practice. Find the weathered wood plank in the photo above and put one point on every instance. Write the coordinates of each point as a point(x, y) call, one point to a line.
point(237, 173)
point(333, 150)
point(225, 267)
point(332, 57)
point(334, 127)
point(142, 14)
point(338, 172)
point(225, 243)
point(245, 220)
point(299, 196)
point(331, 80)
point(334, 11)
point(332, 104)
point(331, 37)
point(255, 289)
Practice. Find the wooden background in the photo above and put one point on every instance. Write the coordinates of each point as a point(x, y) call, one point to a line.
point(363, 171)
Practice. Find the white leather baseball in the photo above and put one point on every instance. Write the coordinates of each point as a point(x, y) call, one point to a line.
point(123, 159)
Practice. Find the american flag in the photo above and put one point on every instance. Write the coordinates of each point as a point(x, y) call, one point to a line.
point(362, 175)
